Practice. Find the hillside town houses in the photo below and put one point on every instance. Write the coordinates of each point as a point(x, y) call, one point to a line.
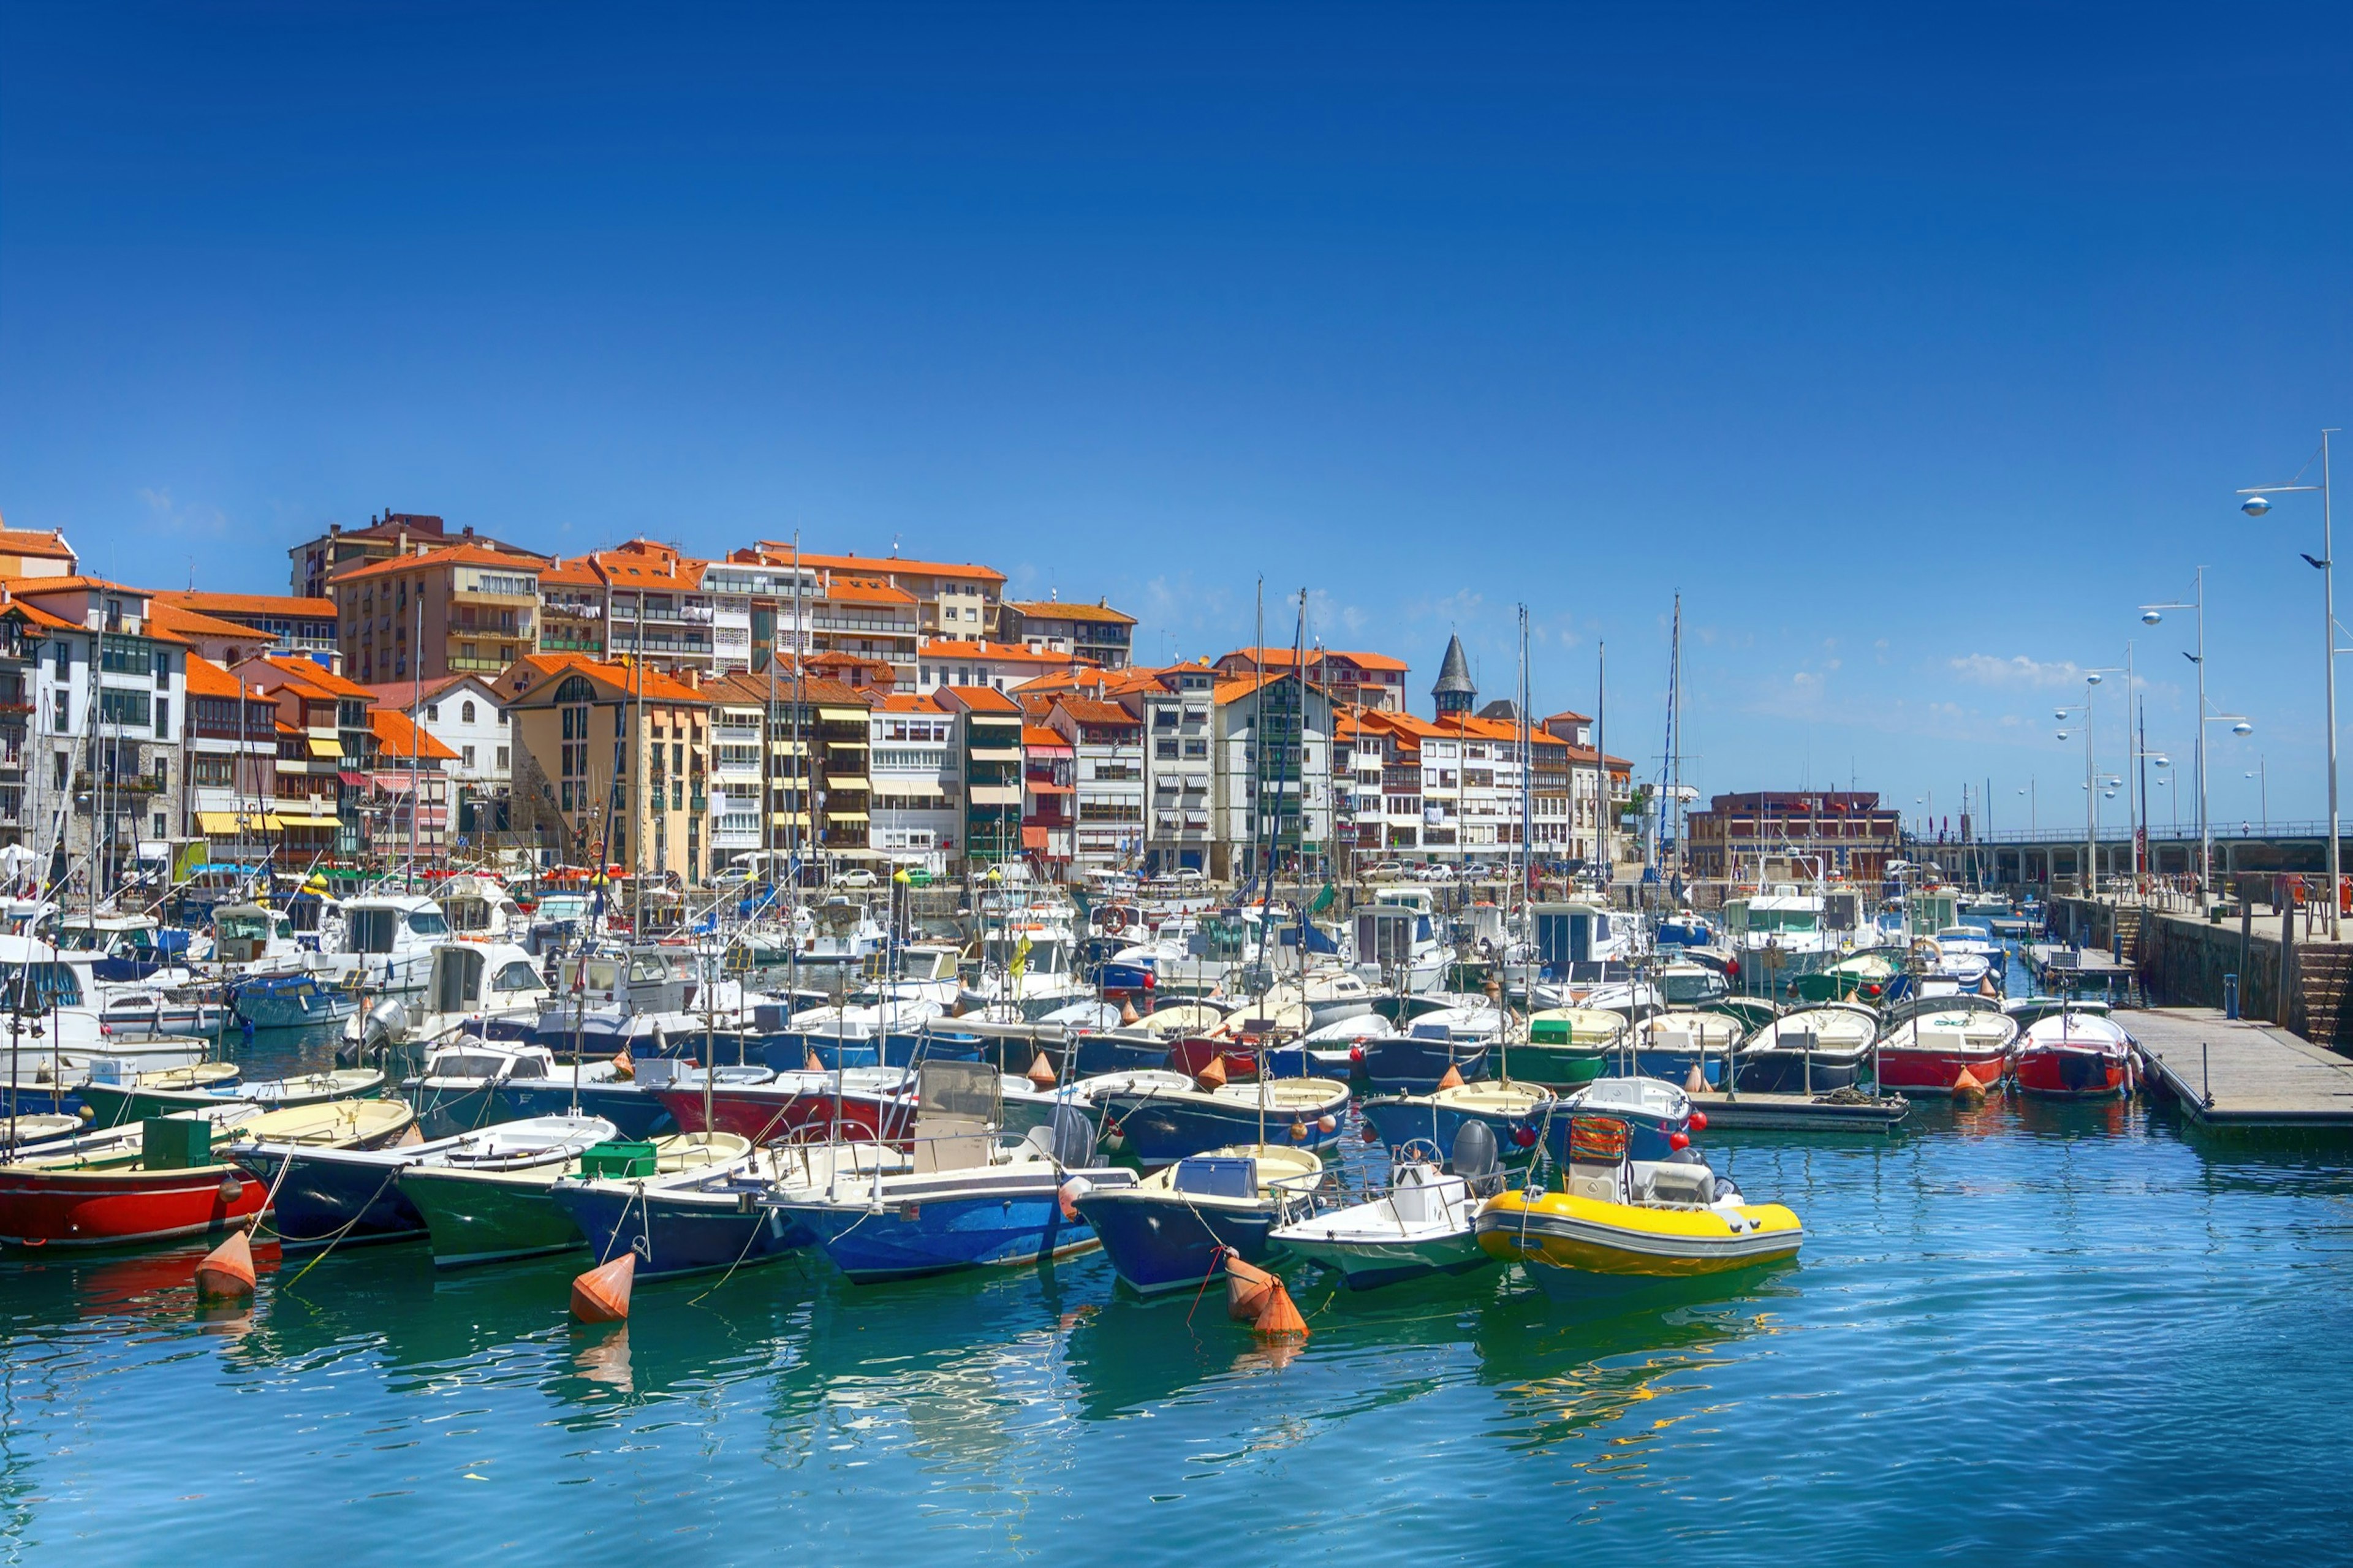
point(428, 691)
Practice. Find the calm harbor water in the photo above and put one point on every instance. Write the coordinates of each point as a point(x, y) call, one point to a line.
point(2028, 1332)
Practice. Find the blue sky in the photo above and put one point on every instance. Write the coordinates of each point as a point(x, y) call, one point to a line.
point(1916, 349)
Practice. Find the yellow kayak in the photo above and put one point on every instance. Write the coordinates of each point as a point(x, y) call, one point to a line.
point(1571, 1245)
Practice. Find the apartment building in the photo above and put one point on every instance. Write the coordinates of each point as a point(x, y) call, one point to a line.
point(953, 599)
point(1271, 738)
point(769, 605)
point(316, 560)
point(271, 623)
point(1050, 818)
point(463, 713)
point(814, 771)
point(918, 777)
point(991, 725)
point(229, 763)
point(618, 755)
point(1095, 633)
point(1174, 707)
point(738, 773)
point(404, 804)
point(1002, 667)
point(29, 552)
point(464, 609)
point(1108, 745)
point(1353, 679)
point(572, 607)
point(655, 606)
point(326, 744)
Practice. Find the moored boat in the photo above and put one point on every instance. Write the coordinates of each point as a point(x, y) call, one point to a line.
point(1427, 1224)
point(1812, 1050)
point(160, 1094)
point(1172, 1230)
point(1567, 1046)
point(477, 1215)
point(695, 1220)
point(1510, 1111)
point(2074, 1055)
point(1618, 1222)
point(1930, 1040)
point(1158, 1124)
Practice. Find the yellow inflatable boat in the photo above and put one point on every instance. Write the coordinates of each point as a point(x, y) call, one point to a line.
point(1623, 1222)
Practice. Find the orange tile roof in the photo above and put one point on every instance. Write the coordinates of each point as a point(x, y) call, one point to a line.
point(743, 686)
point(11, 600)
point(1280, 657)
point(48, 546)
point(207, 678)
point(994, 652)
point(580, 572)
point(782, 554)
point(983, 699)
point(907, 702)
point(399, 694)
point(447, 557)
point(622, 677)
point(1067, 610)
point(184, 623)
point(394, 735)
point(864, 590)
point(77, 582)
point(1034, 735)
point(1092, 711)
point(248, 604)
point(318, 675)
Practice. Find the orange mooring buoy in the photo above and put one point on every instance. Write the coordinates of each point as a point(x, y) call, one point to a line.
point(623, 1066)
point(1280, 1320)
point(1041, 1071)
point(1454, 1078)
point(602, 1295)
point(1214, 1075)
point(1247, 1289)
point(1967, 1090)
point(227, 1269)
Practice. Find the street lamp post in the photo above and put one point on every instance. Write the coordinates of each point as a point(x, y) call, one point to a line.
point(2257, 503)
point(2262, 777)
point(2091, 782)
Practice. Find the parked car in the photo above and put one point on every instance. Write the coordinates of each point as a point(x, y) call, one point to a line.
point(855, 877)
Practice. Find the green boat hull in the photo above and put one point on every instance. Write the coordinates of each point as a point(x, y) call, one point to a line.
point(1556, 1067)
point(474, 1218)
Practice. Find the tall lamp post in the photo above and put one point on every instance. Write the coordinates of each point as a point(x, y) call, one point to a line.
point(2257, 503)
point(2263, 775)
point(2091, 782)
point(2151, 615)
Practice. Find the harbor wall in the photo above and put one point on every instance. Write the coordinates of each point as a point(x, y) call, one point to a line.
point(2181, 961)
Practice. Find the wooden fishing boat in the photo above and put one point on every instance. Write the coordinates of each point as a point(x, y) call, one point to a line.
point(1809, 1051)
point(1667, 1046)
point(1171, 1230)
point(855, 1105)
point(1567, 1046)
point(117, 1089)
point(1159, 1124)
point(160, 1094)
point(350, 1195)
point(1510, 1111)
point(478, 1215)
point(698, 1219)
point(173, 1182)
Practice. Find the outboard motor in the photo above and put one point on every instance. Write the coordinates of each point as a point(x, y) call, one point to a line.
point(1474, 1159)
point(1074, 1137)
point(387, 1024)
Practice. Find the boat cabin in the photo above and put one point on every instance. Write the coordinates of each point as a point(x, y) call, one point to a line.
point(478, 977)
point(248, 933)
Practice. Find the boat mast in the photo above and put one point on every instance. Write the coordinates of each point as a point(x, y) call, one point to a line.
point(1601, 768)
point(415, 717)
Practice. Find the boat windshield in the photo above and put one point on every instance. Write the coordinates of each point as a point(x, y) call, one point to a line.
point(564, 907)
point(43, 984)
point(81, 939)
point(1783, 920)
point(1684, 990)
point(242, 928)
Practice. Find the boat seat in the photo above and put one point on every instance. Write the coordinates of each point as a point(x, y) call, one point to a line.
point(1603, 1184)
point(1950, 1041)
point(1682, 1183)
point(1417, 1198)
point(1218, 1176)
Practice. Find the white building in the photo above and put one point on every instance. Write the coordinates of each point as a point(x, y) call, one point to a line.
point(1109, 776)
point(1178, 772)
point(1271, 740)
point(917, 771)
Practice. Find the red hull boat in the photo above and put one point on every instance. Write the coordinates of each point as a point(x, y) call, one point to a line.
point(773, 1113)
point(41, 1207)
point(1929, 1049)
point(2075, 1055)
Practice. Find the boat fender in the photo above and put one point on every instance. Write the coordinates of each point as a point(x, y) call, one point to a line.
point(1214, 1075)
point(1327, 1123)
point(1248, 1288)
point(1525, 1137)
point(1698, 1122)
point(231, 1189)
point(1280, 1320)
point(1678, 1141)
point(1967, 1090)
point(1067, 1196)
point(623, 1066)
point(1372, 1133)
point(226, 1271)
point(1115, 1136)
point(1041, 1071)
point(601, 1295)
point(1298, 1131)
point(1356, 1056)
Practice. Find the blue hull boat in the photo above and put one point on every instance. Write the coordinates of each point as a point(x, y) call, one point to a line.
point(1301, 1061)
point(790, 1051)
point(631, 1107)
point(1098, 1054)
point(1401, 1118)
point(714, 1224)
point(289, 1001)
point(944, 1232)
point(1667, 1067)
point(1160, 1243)
point(1654, 1111)
point(1400, 1064)
point(1160, 1127)
point(323, 1201)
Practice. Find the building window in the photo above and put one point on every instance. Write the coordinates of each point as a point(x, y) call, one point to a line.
point(162, 719)
point(466, 713)
point(433, 713)
point(64, 661)
point(503, 757)
point(467, 754)
point(1166, 751)
point(122, 707)
point(60, 713)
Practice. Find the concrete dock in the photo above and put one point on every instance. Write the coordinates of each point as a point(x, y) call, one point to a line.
point(2239, 1072)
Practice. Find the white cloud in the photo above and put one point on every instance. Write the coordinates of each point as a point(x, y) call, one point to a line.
point(2019, 670)
point(163, 512)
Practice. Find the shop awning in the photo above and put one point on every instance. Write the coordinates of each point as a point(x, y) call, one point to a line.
point(1040, 787)
point(833, 815)
point(995, 753)
point(304, 824)
point(1033, 837)
point(320, 748)
point(788, 818)
point(996, 795)
point(843, 715)
point(226, 821)
point(355, 781)
point(847, 781)
point(911, 786)
point(789, 748)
